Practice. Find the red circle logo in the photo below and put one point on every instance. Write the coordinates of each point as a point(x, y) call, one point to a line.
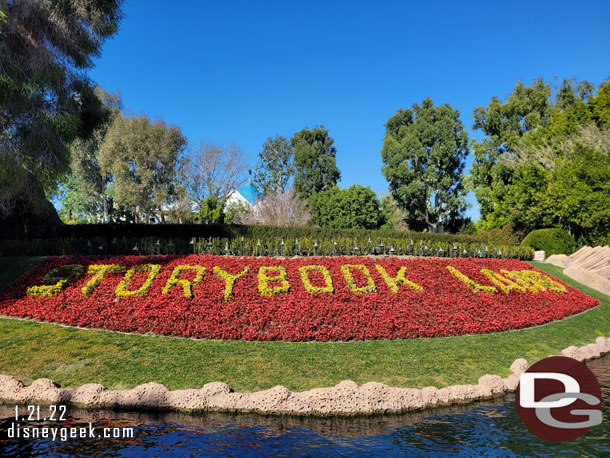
point(559, 399)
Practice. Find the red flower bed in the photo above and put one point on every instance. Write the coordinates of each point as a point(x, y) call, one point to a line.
point(366, 300)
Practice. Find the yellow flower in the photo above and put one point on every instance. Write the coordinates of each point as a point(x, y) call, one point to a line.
point(56, 280)
point(534, 281)
point(400, 279)
point(152, 269)
point(505, 284)
point(187, 285)
point(264, 279)
point(99, 272)
point(477, 288)
point(351, 283)
point(230, 279)
point(47, 290)
point(304, 272)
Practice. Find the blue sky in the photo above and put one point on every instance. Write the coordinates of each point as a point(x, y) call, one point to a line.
point(244, 71)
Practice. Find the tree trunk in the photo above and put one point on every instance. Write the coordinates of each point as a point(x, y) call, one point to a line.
point(105, 201)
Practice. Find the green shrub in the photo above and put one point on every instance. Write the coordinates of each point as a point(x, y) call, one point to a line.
point(504, 236)
point(552, 241)
point(69, 272)
point(144, 239)
point(272, 244)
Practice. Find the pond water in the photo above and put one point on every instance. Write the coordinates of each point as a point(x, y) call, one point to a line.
point(489, 428)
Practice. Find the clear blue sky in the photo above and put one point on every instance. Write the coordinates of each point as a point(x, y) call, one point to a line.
point(244, 71)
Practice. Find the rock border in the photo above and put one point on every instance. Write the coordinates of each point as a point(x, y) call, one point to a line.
point(344, 399)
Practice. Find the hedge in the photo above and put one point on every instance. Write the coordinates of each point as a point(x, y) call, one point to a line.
point(188, 231)
point(260, 241)
point(552, 241)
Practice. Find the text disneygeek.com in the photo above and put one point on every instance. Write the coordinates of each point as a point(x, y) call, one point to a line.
point(64, 433)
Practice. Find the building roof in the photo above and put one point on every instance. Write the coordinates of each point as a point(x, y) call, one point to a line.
point(248, 192)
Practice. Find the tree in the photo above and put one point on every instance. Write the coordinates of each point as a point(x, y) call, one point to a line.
point(393, 216)
point(545, 160)
point(211, 211)
point(356, 207)
point(77, 207)
point(424, 150)
point(209, 174)
point(578, 195)
point(524, 206)
point(286, 209)
point(143, 159)
point(46, 98)
point(503, 124)
point(275, 168)
point(90, 181)
point(315, 162)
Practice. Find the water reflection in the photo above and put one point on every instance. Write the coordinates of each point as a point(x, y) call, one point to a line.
point(489, 428)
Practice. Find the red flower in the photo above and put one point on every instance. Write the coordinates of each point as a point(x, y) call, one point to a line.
point(425, 300)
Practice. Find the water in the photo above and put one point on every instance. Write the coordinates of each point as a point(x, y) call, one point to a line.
point(490, 428)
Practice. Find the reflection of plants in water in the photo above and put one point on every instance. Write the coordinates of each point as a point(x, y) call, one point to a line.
point(481, 429)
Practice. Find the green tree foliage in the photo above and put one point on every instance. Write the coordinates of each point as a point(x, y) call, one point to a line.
point(578, 195)
point(524, 205)
point(553, 173)
point(393, 216)
point(504, 124)
point(551, 240)
point(47, 101)
point(315, 162)
point(77, 207)
point(90, 184)
point(212, 210)
point(275, 167)
point(356, 207)
point(142, 156)
point(424, 150)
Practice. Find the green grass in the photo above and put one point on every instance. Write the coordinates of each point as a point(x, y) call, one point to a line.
point(71, 356)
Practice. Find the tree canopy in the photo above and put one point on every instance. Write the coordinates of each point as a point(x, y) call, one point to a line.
point(356, 207)
point(143, 156)
point(90, 184)
point(424, 150)
point(535, 174)
point(275, 167)
point(47, 100)
point(209, 173)
point(315, 161)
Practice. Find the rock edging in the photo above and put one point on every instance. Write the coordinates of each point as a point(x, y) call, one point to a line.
point(345, 399)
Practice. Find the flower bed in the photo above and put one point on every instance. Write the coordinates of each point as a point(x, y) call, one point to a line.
point(293, 299)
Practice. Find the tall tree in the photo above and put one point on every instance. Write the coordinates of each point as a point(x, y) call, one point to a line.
point(90, 180)
point(503, 124)
point(77, 206)
point(143, 159)
point(525, 137)
point(275, 166)
point(424, 150)
point(46, 98)
point(578, 192)
point(315, 161)
point(210, 173)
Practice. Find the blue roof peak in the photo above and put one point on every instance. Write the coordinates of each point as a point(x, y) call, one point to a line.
point(248, 192)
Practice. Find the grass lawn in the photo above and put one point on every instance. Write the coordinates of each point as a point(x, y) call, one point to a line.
point(72, 357)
